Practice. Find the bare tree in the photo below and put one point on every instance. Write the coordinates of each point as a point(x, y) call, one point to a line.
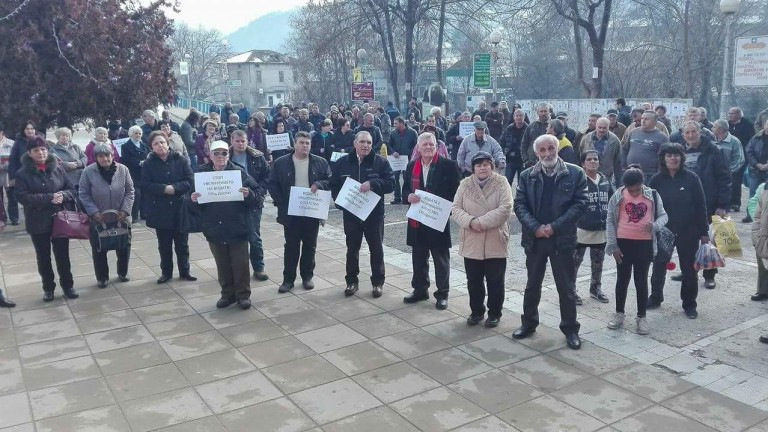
point(205, 51)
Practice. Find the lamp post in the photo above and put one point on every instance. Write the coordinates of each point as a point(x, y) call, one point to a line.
point(728, 8)
point(189, 83)
point(495, 38)
point(361, 55)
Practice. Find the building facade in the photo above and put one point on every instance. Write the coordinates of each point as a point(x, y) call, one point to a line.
point(259, 78)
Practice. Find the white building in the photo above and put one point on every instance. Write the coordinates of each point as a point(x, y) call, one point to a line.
point(259, 78)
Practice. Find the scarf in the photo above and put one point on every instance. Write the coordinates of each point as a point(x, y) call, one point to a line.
point(416, 181)
point(108, 173)
point(41, 167)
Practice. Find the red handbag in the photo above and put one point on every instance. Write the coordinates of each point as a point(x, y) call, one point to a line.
point(71, 224)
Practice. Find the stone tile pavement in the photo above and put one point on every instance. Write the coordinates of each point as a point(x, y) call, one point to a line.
point(139, 356)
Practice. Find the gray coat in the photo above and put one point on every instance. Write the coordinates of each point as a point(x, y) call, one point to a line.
point(97, 195)
point(469, 149)
point(610, 160)
point(71, 153)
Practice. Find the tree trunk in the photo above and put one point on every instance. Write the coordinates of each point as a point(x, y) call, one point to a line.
point(440, 35)
point(687, 52)
point(580, 59)
point(409, 62)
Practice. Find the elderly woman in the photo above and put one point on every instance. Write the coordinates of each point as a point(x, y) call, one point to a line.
point(69, 155)
point(42, 187)
point(165, 177)
point(101, 136)
point(565, 148)
point(175, 142)
point(481, 207)
point(107, 185)
point(135, 152)
point(204, 140)
point(442, 150)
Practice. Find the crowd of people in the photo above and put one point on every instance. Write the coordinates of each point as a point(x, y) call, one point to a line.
point(610, 187)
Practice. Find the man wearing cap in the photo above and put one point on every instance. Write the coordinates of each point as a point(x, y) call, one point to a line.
point(495, 121)
point(569, 132)
point(479, 142)
point(615, 126)
point(535, 129)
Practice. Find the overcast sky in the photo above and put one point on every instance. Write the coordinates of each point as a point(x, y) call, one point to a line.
point(229, 15)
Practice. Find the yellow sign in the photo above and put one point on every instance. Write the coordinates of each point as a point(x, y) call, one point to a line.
point(357, 75)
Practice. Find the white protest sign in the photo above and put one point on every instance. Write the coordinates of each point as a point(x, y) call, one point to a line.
point(303, 202)
point(336, 156)
point(358, 203)
point(432, 210)
point(466, 129)
point(218, 186)
point(398, 163)
point(118, 143)
point(278, 142)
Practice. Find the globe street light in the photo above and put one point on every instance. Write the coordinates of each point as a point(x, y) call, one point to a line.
point(728, 8)
point(495, 38)
point(361, 55)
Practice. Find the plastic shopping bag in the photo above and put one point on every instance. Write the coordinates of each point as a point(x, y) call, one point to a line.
point(708, 257)
point(726, 238)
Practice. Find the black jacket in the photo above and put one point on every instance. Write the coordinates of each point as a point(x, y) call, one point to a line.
point(341, 142)
point(533, 131)
point(714, 173)
point(744, 130)
point(258, 169)
point(132, 157)
point(403, 144)
point(754, 150)
point(283, 176)
point(373, 168)
point(17, 151)
point(35, 189)
point(320, 145)
point(495, 122)
point(163, 210)
point(596, 212)
point(684, 202)
point(227, 222)
point(510, 141)
point(445, 183)
point(568, 204)
point(375, 134)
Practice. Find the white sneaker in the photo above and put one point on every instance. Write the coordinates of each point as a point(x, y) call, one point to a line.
point(642, 326)
point(617, 321)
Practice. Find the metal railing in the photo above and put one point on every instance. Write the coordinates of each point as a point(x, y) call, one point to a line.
point(199, 105)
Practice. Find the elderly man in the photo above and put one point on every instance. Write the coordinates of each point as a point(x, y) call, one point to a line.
point(495, 121)
point(166, 116)
point(643, 144)
point(744, 130)
point(757, 157)
point(372, 129)
point(616, 127)
point(551, 197)
point(453, 138)
point(510, 142)
point(150, 124)
point(481, 110)
point(315, 117)
point(608, 149)
point(440, 121)
point(591, 125)
point(506, 113)
point(303, 124)
point(374, 174)
point(661, 113)
point(439, 176)
point(402, 141)
point(254, 163)
point(536, 129)
point(479, 142)
point(693, 114)
point(226, 228)
point(300, 169)
point(730, 146)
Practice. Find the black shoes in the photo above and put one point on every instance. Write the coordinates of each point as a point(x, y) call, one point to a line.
point(14, 222)
point(308, 284)
point(442, 304)
point(395, 202)
point(735, 208)
point(578, 300)
point(378, 290)
point(492, 322)
point(474, 319)
point(573, 341)
point(677, 278)
point(123, 278)
point(691, 313)
point(599, 296)
point(415, 297)
point(710, 283)
point(47, 296)
point(102, 284)
point(163, 279)
point(244, 303)
point(4, 302)
point(188, 277)
point(747, 219)
point(225, 302)
point(285, 287)
point(523, 332)
point(351, 290)
point(70, 293)
point(764, 339)
point(759, 297)
point(260, 276)
point(653, 303)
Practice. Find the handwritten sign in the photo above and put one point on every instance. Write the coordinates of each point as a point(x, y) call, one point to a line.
point(336, 156)
point(302, 202)
point(358, 203)
point(466, 129)
point(219, 186)
point(398, 163)
point(432, 210)
point(278, 142)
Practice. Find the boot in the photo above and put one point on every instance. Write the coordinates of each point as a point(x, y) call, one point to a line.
point(4, 302)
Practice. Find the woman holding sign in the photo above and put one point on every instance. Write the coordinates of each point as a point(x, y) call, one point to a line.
point(280, 128)
point(482, 206)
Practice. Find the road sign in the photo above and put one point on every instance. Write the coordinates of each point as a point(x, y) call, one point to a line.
point(357, 75)
point(482, 70)
point(363, 91)
point(750, 67)
point(235, 83)
point(183, 68)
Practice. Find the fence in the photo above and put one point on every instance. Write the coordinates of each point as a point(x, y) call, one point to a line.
point(202, 106)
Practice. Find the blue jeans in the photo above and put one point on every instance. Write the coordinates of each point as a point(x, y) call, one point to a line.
point(254, 238)
point(755, 181)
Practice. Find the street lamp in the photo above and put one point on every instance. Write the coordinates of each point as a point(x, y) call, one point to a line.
point(189, 83)
point(361, 55)
point(728, 8)
point(495, 38)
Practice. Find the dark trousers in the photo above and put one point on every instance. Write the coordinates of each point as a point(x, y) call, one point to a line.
point(137, 207)
point(101, 264)
point(169, 241)
point(42, 244)
point(762, 277)
point(396, 183)
point(686, 245)
point(232, 269)
point(420, 260)
point(637, 257)
point(479, 272)
point(254, 240)
point(192, 158)
point(596, 258)
point(373, 231)
point(536, 258)
point(13, 204)
point(736, 181)
point(514, 166)
point(300, 244)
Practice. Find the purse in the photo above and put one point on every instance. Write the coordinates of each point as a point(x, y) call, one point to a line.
point(190, 220)
point(111, 234)
point(71, 224)
point(665, 238)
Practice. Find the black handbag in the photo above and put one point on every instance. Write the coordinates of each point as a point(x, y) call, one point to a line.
point(665, 238)
point(190, 219)
point(112, 234)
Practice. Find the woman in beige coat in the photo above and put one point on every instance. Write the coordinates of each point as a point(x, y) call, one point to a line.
point(760, 241)
point(482, 206)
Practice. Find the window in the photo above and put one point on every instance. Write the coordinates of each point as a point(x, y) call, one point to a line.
point(282, 76)
point(239, 74)
point(258, 76)
point(279, 96)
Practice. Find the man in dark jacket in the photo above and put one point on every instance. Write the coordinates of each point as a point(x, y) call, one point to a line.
point(481, 110)
point(392, 112)
point(374, 174)
point(550, 199)
point(536, 129)
point(707, 161)
point(453, 139)
point(624, 112)
point(254, 163)
point(372, 129)
point(133, 154)
point(744, 130)
point(226, 226)
point(495, 121)
point(303, 124)
point(150, 125)
point(510, 142)
point(439, 176)
point(402, 141)
point(757, 159)
point(315, 117)
point(300, 169)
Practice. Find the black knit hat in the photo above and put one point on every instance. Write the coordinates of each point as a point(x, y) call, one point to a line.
point(36, 141)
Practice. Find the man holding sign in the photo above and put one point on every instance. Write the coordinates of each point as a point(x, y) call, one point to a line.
point(300, 169)
point(375, 175)
point(438, 176)
point(401, 141)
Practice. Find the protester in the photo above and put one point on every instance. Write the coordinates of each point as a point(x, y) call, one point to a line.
point(374, 174)
point(301, 169)
point(257, 135)
point(453, 138)
point(69, 155)
point(439, 176)
point(402, 142)
point(101, 136)
point(481, 207)
point(760, 242)
point(6, 145)
point(135, 152)
point(534, 130)
point(550, 199)
point(643, 145)
point(204, 141)
point(744, 130)
point(757, 158)
point(368, 126)
point(321, 141)
point(565, 151)
point(165, 177)
point(150, 125)
point(477, 142)
point(616, 127)
point(495, 121)
point(43, 188)
point(107, 185)
point(510, 141)
point(342, 140)
point(280, 127)
point(442, 150)
point(175, 142)
point(188, 135)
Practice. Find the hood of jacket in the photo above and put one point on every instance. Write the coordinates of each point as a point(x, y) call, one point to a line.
point(29, 165)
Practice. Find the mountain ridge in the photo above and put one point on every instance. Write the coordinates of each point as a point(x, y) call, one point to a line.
point(268, 32)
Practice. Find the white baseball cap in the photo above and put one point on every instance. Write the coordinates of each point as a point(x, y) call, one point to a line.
point(219, 145)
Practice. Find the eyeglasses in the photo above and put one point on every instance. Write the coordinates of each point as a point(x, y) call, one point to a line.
point(220, 153)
